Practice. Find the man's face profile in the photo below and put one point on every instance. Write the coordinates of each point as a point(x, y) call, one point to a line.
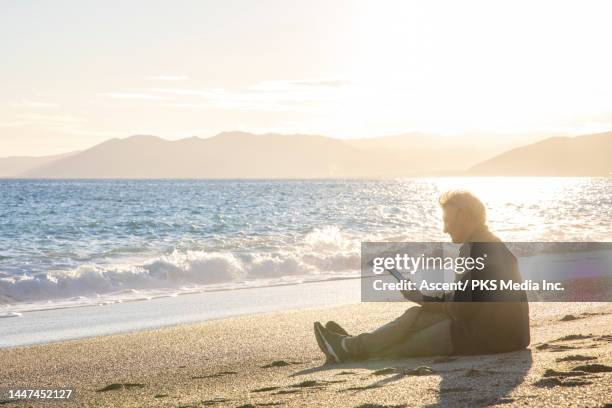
point(452, 226)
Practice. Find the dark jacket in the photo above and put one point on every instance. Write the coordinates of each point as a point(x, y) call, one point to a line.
point(487, 321)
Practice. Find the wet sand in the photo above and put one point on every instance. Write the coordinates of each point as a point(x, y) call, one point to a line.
point(273, 360)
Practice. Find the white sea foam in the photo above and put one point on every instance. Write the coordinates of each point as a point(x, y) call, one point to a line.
point(324, 254)
point(9, 314)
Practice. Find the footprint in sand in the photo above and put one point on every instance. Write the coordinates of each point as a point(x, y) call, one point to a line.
point(555, 373)
point(572, 337)
point(593, 314)
point(284, 392)
point(554, 347)
point(593, 368)
point(216, 375)
point(303, 384)
point(422, 370)
point(576, 357)
point(265, 389)
point(120, 386)
point(368, 405)
point(281, 363)
point(558, 382)
point(316, 383)
point(569, 318)
point(346, 373)
point(214, 401)
point(554, 378)
point(308, 384)
point(361, 388)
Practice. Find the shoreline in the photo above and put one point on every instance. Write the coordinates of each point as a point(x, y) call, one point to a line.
point(272, 358)
point(61, 324)
point(149, 294)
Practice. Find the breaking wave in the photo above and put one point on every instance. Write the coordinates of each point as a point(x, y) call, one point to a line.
point(324, 253)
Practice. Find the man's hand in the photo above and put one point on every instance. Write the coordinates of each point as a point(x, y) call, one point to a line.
point(415, 296)
point(411, 295)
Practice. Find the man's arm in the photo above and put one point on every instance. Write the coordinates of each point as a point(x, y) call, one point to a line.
point(434, 303)
point(415, 296)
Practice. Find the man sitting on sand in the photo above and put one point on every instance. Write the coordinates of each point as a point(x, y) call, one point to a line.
point(461, 322)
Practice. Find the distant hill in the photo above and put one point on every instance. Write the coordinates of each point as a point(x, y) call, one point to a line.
point(435, 153)
point(16, 165)
point(242, 155)
point(589, 155)
point(227, 155)
point(271, 155)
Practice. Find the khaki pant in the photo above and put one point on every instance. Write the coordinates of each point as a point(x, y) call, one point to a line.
point(414, 333)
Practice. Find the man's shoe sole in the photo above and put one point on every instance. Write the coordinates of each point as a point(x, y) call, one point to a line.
point(322, 344)
point(330, 350)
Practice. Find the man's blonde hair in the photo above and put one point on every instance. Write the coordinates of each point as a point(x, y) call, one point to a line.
point(466, 201)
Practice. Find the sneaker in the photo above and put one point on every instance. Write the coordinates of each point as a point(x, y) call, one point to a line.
point(321, 343)
point(333, 343)
point(336, 328)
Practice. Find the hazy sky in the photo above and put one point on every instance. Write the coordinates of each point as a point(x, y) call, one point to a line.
point(75, 73)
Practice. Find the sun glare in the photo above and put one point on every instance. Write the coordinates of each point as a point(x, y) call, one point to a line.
point(451, 67)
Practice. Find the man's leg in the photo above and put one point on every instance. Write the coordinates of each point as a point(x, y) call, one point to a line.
point(373, 343)
point(434, 340)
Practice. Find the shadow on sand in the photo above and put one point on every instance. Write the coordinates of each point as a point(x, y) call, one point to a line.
point(482, 380)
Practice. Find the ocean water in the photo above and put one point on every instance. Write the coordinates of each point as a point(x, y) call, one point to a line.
point(85, 242)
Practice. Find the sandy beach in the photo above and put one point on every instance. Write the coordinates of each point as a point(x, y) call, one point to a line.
point(187, 189)
point(273, 360)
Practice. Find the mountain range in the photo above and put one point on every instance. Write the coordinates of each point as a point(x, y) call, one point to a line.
point(246, 155)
